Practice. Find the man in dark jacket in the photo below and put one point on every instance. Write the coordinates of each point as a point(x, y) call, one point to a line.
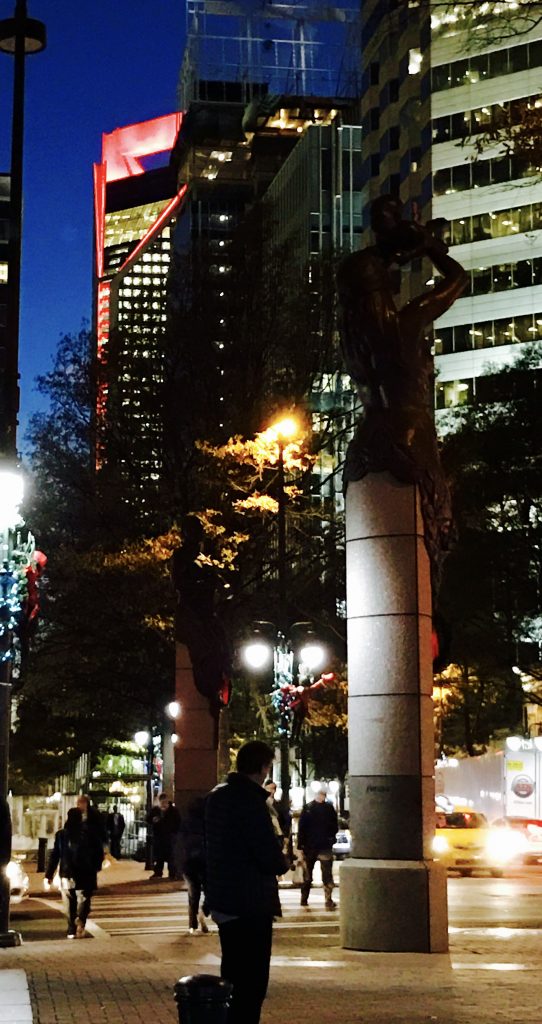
point(317, 830)
point(243, 859)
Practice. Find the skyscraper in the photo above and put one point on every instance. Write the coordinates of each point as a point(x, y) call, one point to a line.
point(135, 208)
point(433, 84)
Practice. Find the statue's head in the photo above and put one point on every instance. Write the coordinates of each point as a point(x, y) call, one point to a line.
point(396, 238)
point(386, 213)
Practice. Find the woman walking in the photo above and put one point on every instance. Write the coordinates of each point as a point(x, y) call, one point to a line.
point(78, 854)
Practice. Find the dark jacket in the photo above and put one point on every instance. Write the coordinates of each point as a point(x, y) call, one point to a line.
point(78, 856)
point(318, 827)
point(243, 856)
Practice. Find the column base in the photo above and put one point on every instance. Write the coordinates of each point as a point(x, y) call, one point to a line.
point(393, 906)
point(10, 938)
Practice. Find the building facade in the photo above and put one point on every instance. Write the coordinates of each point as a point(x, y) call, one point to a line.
point(437, 86)
point(136, 207)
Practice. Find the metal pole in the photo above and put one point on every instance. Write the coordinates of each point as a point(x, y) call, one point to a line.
point(148, 845)
point(7, 936)
point(15, 221)
point(281, 568)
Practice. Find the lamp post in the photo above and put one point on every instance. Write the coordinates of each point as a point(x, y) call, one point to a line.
point(11, 495)
point(285, 429)
point(294, 657)
point(19, 36)
point(144, 739)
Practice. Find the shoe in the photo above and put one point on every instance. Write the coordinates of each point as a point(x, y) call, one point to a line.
point(71, 933)
point(192, 931)
point(154, 875)
point(331, 905)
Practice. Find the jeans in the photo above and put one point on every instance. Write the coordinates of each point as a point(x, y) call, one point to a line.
point(326, 864)
point(194, 873)
point(76, 903)
point(246, 954)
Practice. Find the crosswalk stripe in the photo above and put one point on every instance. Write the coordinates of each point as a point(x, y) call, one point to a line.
point(167, 914)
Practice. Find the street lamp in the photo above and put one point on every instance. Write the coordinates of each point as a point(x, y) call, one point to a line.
point(19, 36)
point(293, 664)
point(11, 495)
point(144, 739)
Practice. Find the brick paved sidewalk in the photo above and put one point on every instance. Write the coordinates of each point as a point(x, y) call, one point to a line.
point(486, 979)
point(490, 976)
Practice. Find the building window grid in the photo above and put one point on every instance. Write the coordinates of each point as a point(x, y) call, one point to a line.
point(480, 173)
point(505, 276)
point(483, 66)
point(464, 124)
point(498, 224)
point(488, 334)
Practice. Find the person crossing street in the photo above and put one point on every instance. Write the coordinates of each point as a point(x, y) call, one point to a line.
point(318, 825)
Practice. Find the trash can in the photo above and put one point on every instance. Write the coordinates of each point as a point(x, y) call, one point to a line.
point(42, 853)
point(202, 999)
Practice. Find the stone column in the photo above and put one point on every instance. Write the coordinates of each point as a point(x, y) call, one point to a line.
point(393, 896)
point(196, 749)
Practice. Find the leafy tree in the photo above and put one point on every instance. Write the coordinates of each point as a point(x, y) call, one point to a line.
point(491, 592)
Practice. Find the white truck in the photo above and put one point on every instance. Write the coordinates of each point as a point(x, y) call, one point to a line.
point(501, 783)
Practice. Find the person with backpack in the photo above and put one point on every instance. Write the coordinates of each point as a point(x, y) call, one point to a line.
point(78, 855)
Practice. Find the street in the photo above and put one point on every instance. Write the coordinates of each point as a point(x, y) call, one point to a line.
point(152, 919)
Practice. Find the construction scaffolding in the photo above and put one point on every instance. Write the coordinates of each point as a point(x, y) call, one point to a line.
point(235, 51)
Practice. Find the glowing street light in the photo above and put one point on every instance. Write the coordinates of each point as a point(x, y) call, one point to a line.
point(257, 654)
point(312, 656)
point(173, 709)
point(291, 662)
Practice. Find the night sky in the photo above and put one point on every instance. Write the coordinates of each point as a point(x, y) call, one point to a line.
point(107, 63)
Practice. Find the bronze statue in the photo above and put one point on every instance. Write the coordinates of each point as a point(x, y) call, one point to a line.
point(388, 355)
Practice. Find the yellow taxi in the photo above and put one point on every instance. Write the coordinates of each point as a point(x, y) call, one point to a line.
point(464, 842)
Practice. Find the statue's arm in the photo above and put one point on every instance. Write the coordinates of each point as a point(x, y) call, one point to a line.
point(428, 307)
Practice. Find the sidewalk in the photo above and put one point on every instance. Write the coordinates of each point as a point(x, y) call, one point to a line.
point(490, 975)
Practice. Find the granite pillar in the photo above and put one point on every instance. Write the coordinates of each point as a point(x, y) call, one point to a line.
point(393, 896)
point(196, 747)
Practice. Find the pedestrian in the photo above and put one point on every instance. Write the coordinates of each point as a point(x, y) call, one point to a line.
point(193, 864)
point(281, 821)
point(243, 860)
point(317, 831)
point(78, 855)
point(165, 822)
point(115, 831)
point(93, 822)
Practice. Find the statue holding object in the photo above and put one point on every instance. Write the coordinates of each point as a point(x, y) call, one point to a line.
point(388, 355)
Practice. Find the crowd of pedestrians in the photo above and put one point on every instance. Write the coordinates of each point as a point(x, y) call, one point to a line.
point(230, 847)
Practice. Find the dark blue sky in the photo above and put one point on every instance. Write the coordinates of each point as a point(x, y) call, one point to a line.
point(107, 63)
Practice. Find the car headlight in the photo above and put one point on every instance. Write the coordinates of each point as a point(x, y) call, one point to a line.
point(505, 844)
point(12, 871)
point(440, 844)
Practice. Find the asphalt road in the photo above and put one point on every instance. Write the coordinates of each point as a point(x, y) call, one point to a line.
point(514, 901)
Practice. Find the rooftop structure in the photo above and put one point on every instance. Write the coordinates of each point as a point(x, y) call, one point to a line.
point(244, 49)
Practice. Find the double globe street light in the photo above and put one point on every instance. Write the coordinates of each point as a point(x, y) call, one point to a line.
point(295, 658)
